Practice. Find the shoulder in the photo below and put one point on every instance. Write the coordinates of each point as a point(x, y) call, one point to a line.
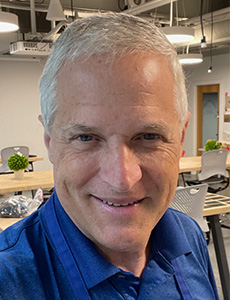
point(176, 233)
point(22, 232)
point(182, 222)
point(17, 263)
point(25, 255)
point(188, 229)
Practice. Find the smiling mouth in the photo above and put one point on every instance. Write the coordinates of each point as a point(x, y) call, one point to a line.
point(120, 202)
point(120, 205)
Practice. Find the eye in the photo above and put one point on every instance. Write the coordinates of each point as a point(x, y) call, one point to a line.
point(147, 141)
point(82, 137)
point(85, 138)
point(151, 136)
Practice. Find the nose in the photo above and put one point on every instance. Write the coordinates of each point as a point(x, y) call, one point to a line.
point(120, 168)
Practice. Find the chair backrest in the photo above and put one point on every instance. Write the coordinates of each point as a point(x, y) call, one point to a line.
point(213, 162)
point(190, 200)
point(8, 151)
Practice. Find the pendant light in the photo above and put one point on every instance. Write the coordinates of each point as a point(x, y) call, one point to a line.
point(8, 22)
point(55, 11)
point(178, 34)
point(190, 58)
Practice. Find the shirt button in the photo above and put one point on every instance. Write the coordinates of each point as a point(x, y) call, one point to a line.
point(120, 276)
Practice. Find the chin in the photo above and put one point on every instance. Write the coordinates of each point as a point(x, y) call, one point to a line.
point(122, 241)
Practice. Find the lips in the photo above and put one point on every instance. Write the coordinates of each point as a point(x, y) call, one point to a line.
point(119, 202)
point(119, 205)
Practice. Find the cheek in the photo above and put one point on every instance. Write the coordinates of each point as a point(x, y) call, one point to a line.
point(75, 170)
point(162, 169)
point(166, 159)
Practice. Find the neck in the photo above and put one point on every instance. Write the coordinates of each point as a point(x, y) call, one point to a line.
point(129, 261)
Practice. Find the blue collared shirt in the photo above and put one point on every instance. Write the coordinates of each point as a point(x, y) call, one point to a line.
point(31, 268)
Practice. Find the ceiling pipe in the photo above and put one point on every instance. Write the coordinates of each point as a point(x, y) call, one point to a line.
point(171, 14)
point(33, 18)
point(218, 15)
point(44, 8)
point(25, 7)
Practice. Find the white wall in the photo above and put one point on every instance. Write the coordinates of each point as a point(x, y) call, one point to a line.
point(198, 75)
point(20, 107)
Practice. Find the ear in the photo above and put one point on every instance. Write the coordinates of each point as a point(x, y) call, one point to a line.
point(41, 120)
point(184, 129)
point(47, 141)
point(48, 144)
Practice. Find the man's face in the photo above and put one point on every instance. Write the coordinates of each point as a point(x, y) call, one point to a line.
point(115, 147)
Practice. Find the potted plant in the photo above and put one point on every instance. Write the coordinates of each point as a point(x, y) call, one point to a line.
point(212, 145)
point(18, 163)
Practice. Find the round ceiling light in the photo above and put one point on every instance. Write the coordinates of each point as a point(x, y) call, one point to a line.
point(8, 22)
point(177, 35)
point(189, 58)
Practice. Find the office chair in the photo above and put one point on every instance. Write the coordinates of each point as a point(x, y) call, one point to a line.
point(190, 200)
point(7, 152)
point(213, 171)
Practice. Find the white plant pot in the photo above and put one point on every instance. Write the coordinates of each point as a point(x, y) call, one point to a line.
point(19, 174)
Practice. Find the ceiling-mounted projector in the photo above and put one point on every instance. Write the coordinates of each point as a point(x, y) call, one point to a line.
point(31, 48)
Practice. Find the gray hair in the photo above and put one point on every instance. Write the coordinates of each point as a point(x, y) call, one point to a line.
point(115, 34)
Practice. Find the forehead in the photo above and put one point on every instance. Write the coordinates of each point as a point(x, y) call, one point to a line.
point(130, 78)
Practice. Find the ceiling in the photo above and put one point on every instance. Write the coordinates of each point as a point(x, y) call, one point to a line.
point(185, 13)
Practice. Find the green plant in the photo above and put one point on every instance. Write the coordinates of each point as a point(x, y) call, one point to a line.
point(212, 145)
point(18, 162)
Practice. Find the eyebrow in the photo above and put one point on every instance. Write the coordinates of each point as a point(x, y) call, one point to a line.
point(78, 127)
point(159, 127)
point(68, 130)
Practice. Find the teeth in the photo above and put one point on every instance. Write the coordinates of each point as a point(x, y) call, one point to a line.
point(118, 205)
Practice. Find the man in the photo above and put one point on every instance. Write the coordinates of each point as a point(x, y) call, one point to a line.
point(114, 110)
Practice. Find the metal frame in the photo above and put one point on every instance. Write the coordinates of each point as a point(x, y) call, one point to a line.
point(220, 254)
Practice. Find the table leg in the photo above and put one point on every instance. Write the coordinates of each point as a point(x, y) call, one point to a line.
point(220, 255)
point(31, 166)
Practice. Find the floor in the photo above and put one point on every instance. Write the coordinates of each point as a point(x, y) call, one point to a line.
point(226, 234)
